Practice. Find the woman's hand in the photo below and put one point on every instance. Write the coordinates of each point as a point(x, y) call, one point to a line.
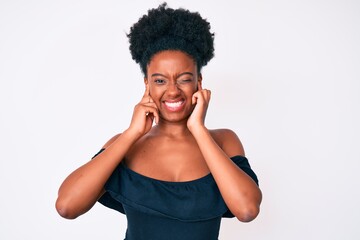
point(197, 118)
point(144, 113)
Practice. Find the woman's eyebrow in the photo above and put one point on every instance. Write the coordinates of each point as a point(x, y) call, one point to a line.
point(162, 75)
point(157, 75)
point(186, 73)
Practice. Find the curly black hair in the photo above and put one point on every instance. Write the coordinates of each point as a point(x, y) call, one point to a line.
point(165, 28)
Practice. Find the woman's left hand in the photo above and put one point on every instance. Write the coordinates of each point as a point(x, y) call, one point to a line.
point(201, 99)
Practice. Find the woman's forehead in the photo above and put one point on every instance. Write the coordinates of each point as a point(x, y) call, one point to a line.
point(171, 61)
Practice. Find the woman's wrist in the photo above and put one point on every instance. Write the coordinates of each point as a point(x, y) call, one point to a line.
point(131, 135)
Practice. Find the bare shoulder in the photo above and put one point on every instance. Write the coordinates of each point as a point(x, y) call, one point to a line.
point(228, 141)
point(111, 140)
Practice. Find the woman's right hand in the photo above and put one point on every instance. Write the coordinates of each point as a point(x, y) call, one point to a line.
point(144, 114)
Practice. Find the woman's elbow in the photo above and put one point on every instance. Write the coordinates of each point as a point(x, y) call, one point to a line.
point(250, 209)
point(247, 214)
point(64, 209)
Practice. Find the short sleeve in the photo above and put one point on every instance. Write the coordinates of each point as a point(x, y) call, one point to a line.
point(107, 200)
point(101, 150)
point(243, 163)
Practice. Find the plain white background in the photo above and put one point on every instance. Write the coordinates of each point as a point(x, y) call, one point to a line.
point(285, 77)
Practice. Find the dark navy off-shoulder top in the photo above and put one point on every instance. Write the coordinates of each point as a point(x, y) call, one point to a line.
point(163, 210)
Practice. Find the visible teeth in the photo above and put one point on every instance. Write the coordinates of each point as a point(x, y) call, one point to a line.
point(173, 104)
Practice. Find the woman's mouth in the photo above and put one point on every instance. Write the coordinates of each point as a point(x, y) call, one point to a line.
point(174, 106)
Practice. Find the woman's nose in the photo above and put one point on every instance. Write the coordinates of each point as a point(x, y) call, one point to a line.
point(173, 88)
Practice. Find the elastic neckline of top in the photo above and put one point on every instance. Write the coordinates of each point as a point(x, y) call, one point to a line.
point(197, 180)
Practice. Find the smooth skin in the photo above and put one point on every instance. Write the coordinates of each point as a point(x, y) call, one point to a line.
point(177, 148)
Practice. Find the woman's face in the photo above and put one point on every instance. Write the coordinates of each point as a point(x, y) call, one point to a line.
point(173, 78)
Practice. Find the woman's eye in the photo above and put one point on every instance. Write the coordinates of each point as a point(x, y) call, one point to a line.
point(159, 81)
point(184, 81)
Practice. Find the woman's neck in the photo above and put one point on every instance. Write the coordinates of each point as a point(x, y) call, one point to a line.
point(172, 129)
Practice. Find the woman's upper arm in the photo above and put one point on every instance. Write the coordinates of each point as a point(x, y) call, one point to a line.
point(229, 142)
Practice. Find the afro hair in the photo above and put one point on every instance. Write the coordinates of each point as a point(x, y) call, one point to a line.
point(165, 28)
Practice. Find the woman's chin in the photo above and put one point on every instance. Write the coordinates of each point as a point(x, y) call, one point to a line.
point(174, 117)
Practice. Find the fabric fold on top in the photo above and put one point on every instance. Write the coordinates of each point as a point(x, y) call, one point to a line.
point(196, 200)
